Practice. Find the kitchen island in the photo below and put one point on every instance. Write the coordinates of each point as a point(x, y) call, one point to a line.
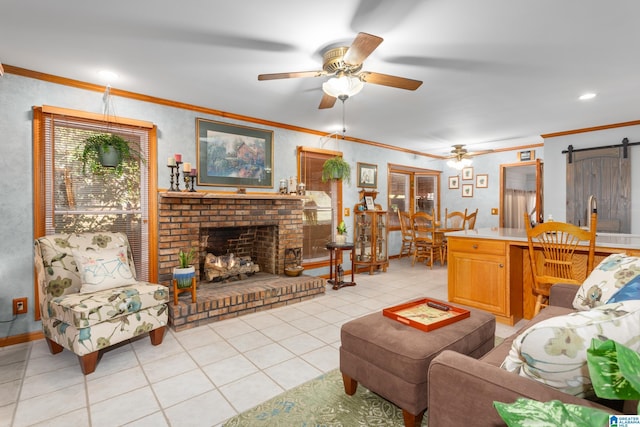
point(489, 268)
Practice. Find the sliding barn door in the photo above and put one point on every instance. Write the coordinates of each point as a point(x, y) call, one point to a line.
point(605, 174)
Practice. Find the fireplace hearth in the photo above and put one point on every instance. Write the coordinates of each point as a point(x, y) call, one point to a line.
point(264, 226)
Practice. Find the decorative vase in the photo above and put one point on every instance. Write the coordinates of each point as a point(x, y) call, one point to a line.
point(109, 156)
point(183, 276)
point(341, 239)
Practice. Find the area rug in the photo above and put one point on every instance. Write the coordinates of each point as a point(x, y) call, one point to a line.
point(322, 402)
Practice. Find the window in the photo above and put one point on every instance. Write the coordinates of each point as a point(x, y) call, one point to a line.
point(412, 190)
point(68, 200)
point(317, 204)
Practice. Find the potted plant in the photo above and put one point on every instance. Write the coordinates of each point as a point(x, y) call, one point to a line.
point(185, 272)
point(341, 238)
point(108, 150)
point(336, 168)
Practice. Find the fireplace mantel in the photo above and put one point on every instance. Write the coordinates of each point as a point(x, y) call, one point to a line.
point(246, 196)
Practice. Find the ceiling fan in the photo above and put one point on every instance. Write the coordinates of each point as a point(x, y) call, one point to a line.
point(460, 157)
point(344, 64)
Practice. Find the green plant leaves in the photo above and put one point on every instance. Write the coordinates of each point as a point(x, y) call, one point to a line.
point(527, 412)
point(614, 370)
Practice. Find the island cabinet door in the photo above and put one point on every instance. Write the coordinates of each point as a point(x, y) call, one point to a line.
point(477, 274)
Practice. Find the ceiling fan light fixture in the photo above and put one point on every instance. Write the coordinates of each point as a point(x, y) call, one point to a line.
point(459, 163)
point(342, 86)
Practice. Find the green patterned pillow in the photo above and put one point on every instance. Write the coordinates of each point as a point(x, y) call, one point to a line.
point(606, 279)
point(103, 269)
point(554, 351)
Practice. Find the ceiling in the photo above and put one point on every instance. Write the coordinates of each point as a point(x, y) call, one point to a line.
point(496, 73)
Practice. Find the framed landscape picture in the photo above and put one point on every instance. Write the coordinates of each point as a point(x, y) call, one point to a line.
point(233, 156)
point(454, 182)
point(467, 190)
point(482, 181)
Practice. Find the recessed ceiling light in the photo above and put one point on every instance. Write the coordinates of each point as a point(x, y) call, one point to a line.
point(587, 96)
point(108, 76)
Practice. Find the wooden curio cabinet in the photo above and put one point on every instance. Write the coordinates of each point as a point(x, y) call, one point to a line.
point(370, 239)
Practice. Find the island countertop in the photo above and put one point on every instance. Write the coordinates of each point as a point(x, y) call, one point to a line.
point(603, 240)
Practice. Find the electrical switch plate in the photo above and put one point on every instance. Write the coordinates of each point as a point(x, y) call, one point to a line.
point(494, 211)
point(347, 211)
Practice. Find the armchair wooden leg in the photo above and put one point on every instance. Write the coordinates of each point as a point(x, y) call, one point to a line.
point(157, 335)
point(88, 362)
point(54, 347)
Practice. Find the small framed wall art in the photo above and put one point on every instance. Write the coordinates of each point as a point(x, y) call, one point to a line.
point(367, 175)
point(454, 182)
point(467, 190)
point(467, 173)
point(368, 200)
point(482, 180)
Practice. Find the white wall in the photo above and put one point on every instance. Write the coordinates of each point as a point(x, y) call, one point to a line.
point(555, 196)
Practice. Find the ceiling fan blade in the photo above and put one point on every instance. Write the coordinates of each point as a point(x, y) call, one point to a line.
point(361, 48)
point(387, 80)
point(327, 101)
point(276, 76)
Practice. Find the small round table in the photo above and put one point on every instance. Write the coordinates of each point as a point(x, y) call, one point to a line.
point(338, 248)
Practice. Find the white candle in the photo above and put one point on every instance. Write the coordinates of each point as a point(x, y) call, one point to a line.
point(187, 167)
point(171, 161)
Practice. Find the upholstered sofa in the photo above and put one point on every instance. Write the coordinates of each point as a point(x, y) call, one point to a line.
point(461, 389)
point(89, 296)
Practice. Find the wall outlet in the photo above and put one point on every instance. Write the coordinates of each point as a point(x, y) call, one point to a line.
point(494, 211)
point(347, 211)
point(19, 305)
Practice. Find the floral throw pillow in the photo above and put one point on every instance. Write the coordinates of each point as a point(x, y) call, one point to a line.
point(554, 351)
point(613, 273)
point(103, 269)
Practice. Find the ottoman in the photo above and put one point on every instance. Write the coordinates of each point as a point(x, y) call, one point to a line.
point(391, 359)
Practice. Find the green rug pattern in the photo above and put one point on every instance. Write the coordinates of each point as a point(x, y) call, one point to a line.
point(322, 402)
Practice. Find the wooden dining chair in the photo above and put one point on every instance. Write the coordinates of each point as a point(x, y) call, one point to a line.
point(406, 247)
point(551, 255)
point(455, 219)
point(470, 220)
point(428, 243)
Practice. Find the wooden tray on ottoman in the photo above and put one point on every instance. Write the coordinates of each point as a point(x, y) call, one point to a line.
point(420, 315)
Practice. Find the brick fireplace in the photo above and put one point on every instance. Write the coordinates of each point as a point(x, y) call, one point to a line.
point(188, 219)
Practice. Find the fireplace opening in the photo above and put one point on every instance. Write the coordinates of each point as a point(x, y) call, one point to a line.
point(234, 253)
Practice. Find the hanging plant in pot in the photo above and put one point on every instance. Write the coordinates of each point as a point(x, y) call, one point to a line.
point(106, 151)
point(336, 168)
point(185, 270)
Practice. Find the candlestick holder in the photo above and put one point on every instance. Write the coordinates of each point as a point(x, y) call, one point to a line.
point(178, 175)
point(189, 183)
point(172, 167)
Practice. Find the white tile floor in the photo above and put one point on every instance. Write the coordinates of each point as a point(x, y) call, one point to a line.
point(205, 375)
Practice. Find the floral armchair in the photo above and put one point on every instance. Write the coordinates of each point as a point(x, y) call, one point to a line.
point(90, 298)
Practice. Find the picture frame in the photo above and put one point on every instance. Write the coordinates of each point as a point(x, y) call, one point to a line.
point(482, 180)
point(454, 182)
point(467, 173)
point(467, 190)
point(528, 155)
point(230, 155)
point(368, 200)
point(367, 175)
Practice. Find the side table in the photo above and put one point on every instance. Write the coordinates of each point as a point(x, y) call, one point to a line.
point(336, 249)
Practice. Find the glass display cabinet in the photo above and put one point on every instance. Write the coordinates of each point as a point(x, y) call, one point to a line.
point(370, 239)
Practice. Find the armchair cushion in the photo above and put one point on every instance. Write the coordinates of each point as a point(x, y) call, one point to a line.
point(605, 280)
point(554, 351)
point(104, 269)
point(83, 310)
